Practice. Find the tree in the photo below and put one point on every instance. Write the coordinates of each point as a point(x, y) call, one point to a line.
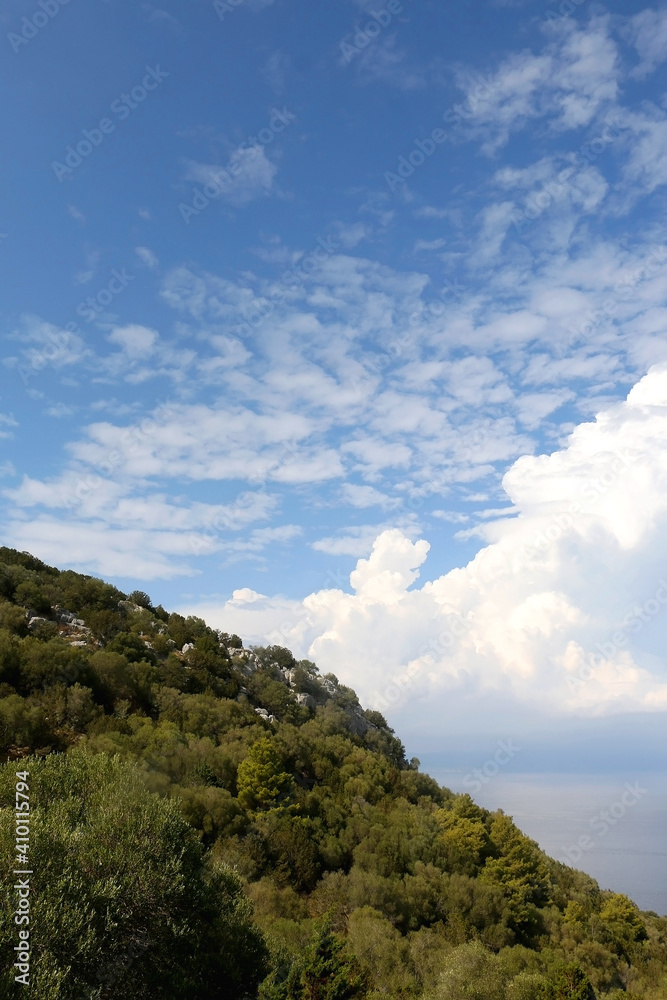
point(292, 848)
point(520, 870)
point(122, 900)
point(30, 595)
point(382, 951)
point(262, 782)
point(622, 921)
point(13, 618)
point(570, 982)
point(327, 971)
point(9, 658)
point(471, 972)
point(131, 646)
point(141, 598)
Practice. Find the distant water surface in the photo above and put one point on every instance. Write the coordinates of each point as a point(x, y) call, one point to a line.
point(622, 818)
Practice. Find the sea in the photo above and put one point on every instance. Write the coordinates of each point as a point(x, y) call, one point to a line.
point(612, 826)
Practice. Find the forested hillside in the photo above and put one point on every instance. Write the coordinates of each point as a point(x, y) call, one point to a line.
point(211, 821)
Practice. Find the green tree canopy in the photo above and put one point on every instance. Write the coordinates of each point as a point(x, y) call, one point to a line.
point(569, 982)
point(123, 903)
point(262, 780)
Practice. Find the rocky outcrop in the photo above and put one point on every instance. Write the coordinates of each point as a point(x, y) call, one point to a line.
point(320, 689)
point(359, 724)
point(130, 606)
point(263, 714)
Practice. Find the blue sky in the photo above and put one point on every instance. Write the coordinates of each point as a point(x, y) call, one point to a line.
point(292, 293)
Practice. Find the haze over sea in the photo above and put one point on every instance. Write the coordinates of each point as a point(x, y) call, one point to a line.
point(627, 854)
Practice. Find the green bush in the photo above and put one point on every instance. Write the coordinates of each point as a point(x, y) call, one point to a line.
point(123, 903)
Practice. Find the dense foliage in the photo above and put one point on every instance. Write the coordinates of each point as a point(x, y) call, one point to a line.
point(221, 780)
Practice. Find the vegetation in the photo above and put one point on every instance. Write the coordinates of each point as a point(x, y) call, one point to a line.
point(210, 821)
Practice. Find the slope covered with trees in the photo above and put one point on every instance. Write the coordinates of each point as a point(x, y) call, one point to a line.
point(212, 821)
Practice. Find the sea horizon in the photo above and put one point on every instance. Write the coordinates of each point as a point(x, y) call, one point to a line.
point(609, 825)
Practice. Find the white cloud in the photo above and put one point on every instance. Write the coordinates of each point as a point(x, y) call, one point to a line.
point(93, 547)
point(566, 605)
point(135, 340)
point(358, 540)
point(76, 213)
point(276, 70)
point(571, 81)
point(60, 410)
point(648, 33)
point(147, 257)
point(382, 61)
point(646, 164)
point(168, 534)
point(431, 212)
point(421, 245)
point(248, 175)
point(249, 614)
point(46, 345)
point(351, 234)
point(355, 380)
point(366, 496)
point(260, 538)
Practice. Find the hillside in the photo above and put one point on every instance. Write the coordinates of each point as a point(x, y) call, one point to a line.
point(290, 847)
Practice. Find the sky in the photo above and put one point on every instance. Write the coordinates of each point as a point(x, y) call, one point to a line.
point(343, 327)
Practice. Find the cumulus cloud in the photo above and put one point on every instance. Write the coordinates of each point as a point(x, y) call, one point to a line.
point(357, 540)
point(565, 605)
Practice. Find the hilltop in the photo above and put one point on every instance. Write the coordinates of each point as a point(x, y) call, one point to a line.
point(307, 856)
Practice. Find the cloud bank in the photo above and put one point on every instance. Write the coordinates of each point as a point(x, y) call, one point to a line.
point(566, 604)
